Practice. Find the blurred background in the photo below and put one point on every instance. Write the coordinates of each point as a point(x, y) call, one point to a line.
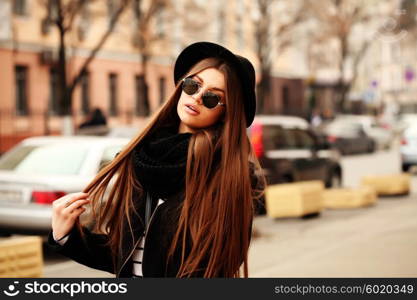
point(337, 105)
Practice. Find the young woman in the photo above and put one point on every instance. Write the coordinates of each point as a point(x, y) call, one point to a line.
point(180, 196)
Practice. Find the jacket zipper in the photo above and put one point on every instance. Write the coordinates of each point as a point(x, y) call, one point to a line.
point(146, 233)
point(133, 250)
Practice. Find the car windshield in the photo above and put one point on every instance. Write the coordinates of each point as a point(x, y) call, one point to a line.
point(278, 138)
point(343, 129)
point(45, 159)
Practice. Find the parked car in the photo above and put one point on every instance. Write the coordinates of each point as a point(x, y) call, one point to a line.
point(349, 137)
point(408, 147)
point(404, 121)
point(124, 131)
point(40, 170)
point(288, 151)
point(382, 135)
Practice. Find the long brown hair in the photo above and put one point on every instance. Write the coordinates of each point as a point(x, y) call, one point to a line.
point(217, 212)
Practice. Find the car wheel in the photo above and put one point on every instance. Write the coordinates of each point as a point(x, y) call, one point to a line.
point(334, 181)
point(406, 167)
point(5, 234)
point(260, 207)
point(372, 148)
point(311, 215)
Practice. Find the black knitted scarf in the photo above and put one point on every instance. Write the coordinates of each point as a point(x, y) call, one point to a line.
point(160, 162)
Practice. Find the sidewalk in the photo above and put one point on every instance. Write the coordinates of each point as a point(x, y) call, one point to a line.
point(378, 241)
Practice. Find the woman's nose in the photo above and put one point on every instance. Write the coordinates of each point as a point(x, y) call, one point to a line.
point(197, 96)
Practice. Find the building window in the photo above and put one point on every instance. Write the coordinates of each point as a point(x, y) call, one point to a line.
point(84, 23)
point(21, 78)
point(220, 25)
point(286, 100)
point(240, 15)
point(113, 94)
point(142, 103)
point(136, 10)
point(85, 93)
point(111, 11)
point(135, 24)
point(53, 91)
point(162, 84)
point(160, 22)
point(52, 10)
point(19, 7)
point(239, 33)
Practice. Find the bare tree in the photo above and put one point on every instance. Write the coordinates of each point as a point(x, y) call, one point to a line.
point(146, 13)
point(62, 14)
point(337, 21)
point(263, 50)
point(407, 17)
point(264, 46)
point(196, 19)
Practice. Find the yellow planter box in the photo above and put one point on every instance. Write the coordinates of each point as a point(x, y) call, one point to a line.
point(21, 257)
point(398, 184)
point(294, 199)
point(349, 198)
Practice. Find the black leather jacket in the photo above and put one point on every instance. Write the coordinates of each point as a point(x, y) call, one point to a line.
point(95, 254)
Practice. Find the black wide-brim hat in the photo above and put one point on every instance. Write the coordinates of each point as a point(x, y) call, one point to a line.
point(242, 66)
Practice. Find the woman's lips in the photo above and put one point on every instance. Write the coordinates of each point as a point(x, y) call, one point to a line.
point(191, 110)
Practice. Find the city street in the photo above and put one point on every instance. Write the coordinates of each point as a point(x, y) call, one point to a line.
point(377, 241)
point(302, 82)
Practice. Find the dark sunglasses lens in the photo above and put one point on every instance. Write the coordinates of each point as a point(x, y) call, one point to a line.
point(190, 86)
point(210, 100)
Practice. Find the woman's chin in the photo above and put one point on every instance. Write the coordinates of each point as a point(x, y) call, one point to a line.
point(189, 120)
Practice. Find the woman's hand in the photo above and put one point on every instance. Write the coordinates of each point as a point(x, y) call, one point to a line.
point(65, 212)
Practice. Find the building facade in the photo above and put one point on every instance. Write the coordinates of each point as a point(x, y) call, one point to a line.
point(114, 81)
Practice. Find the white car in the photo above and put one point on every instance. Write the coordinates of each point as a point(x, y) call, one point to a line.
point(404, 121)
point(40, 170)
point(408, 147)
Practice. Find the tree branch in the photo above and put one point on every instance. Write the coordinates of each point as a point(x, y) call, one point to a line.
point(72, 9)
point(96, 49)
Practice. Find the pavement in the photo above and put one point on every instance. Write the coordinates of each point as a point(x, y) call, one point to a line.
point(377, 241)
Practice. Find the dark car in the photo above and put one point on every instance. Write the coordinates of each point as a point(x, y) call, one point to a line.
point(289, 151)
point(349, 138)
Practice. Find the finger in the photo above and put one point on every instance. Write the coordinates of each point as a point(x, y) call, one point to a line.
point(61, 201)
point(75, 205)
point(77, 212)
point(72, 198)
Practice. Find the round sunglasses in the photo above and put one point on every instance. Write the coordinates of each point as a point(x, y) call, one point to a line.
point(192, 87)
